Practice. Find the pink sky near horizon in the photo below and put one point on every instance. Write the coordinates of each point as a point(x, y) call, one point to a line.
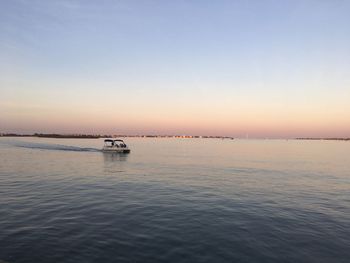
point(277, 115)
point(237, 125)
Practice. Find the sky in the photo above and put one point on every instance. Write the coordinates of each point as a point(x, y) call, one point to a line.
point(263, 69)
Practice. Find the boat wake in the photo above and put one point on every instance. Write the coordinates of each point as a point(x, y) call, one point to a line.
point(54, 147)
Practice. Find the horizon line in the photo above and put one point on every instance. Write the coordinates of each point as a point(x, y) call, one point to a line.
point(185, 136)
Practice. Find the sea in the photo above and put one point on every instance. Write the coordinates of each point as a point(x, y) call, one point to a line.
point(174, 200)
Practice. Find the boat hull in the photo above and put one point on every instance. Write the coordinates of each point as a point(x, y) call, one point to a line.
point(115, 150)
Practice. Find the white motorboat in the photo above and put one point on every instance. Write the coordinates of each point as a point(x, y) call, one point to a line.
point(115, 146)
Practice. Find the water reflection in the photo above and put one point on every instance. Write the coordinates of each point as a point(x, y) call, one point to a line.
point(115, 157)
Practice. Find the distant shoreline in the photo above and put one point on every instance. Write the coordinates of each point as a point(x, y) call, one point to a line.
point(324, 139)
point(89, 136)
point(98, 136)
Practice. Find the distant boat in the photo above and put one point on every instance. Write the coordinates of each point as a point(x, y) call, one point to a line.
point(115, 146)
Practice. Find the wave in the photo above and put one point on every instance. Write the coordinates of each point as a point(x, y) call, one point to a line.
point(54, 147)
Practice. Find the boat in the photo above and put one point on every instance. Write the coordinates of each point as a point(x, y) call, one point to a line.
point(115, 146)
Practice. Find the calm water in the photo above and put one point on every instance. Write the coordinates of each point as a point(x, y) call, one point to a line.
point(174, 200)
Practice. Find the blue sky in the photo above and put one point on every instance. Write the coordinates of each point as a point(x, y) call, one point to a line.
point(266, 68)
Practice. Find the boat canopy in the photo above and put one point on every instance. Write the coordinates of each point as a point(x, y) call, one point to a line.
point(110, 140)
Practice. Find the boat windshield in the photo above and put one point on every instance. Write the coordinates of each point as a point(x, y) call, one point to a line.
point(115, 143)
